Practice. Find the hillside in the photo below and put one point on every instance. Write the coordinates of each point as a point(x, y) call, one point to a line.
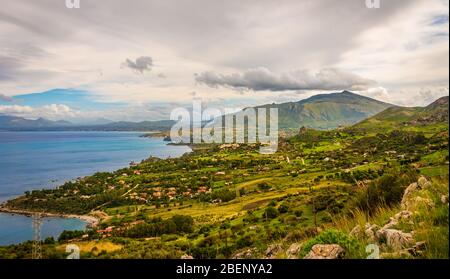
point(230, 201)
point(327, 111)
point(431, 116)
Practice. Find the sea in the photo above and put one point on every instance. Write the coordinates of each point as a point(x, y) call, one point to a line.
point(37, 160)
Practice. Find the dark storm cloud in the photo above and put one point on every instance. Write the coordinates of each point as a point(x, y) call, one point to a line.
point(141, 64)
point(262, 79)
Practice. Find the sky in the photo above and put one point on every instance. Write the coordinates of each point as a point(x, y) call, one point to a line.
point(138, 60)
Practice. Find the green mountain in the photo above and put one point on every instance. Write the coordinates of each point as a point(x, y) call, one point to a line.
point(434, 115)
point(327, 111)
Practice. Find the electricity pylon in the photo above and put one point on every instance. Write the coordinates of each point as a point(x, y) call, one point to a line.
point(37, 249)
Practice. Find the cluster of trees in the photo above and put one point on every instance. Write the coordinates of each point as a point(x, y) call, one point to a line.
point(359, 175)
point(224, 195)
point(67, 235)
point(177, 224)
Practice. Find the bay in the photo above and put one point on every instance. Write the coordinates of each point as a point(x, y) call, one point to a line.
point(37, 160)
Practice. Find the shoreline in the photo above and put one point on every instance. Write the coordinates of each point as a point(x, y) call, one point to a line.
point(91, 221)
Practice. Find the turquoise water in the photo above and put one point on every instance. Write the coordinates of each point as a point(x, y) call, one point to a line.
point(36, 160)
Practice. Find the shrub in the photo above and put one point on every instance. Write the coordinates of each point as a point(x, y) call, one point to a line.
point(183, 223)
point(158, 227)
point(244, 241)
point(271, 212)
point(332, 236)
point(298, 212)
point(223, 195)
point(263, 186)
point(385, 190)
point(67, 235)
point(283, 208)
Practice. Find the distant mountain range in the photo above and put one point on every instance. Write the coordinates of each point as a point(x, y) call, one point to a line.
point(323, 111)
point(13, 123)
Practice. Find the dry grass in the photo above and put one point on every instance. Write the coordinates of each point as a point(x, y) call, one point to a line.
point(93, 246)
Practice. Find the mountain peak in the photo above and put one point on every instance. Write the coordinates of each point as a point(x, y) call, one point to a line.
point(328, 111)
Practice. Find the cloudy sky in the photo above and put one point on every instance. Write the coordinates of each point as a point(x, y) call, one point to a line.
point(139, 59)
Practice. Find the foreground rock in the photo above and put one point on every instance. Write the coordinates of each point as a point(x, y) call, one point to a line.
point(273, 250)
point(326, 251)
point(246, 254)
point(396, 239)
point(411, 200)
point(293, 250)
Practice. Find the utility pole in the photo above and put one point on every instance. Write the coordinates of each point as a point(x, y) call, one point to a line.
point(37, 248)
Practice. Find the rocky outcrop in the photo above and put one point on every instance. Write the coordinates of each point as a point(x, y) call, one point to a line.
point(370, 231)
point(423, 183)
point(246, 254)
point(414, 251)
point(273, 250)
point(395, 242)
point(403, 216)
point(395, 239)
point(411, 200)
point(401, 244)
point(293, 251)
point(406, 202)
point(326, 251)
point(444, 199)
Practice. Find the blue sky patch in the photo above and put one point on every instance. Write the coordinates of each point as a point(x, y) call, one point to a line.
point(76, 99)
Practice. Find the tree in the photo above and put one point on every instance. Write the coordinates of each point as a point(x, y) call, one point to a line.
point(283, 208)
point(271, 212)
point(183, 223)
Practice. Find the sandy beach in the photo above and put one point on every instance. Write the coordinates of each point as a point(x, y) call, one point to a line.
point(91, 221)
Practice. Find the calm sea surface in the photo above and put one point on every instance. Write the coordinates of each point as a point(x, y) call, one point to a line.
point(36, 160)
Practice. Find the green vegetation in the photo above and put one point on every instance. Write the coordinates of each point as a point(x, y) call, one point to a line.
point(231, 201)
point(332, 236)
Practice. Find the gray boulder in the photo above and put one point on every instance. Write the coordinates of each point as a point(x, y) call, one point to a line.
point(326, 251)
point(395, 239)
point(293, 250)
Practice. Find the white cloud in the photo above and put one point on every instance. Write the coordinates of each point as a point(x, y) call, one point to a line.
point(16, 110)
point(410, 97)
point(44, 45)
point(53, 111)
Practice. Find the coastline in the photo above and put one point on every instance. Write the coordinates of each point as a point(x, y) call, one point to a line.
point(91, 221)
